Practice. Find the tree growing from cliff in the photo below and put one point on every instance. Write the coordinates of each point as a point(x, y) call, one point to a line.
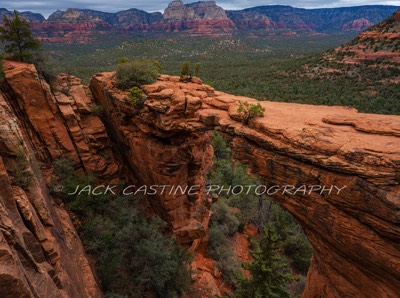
point(269, 269)
point(250, 111)
point(17, 37)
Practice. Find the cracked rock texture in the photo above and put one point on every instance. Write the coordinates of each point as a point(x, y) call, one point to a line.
point(355, 234)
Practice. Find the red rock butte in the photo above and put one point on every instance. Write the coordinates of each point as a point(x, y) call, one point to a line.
point(355, 234)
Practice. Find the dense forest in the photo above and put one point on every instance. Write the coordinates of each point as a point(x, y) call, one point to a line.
point(284, 69)
point(136, 255)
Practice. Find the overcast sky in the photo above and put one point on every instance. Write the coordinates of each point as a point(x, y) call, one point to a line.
point(46, 7)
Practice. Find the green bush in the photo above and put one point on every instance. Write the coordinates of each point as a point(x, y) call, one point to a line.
point(97, 110)
point(123, 60)
point(134, 258)
point(223, 225)
point(23, 175)
point(250, 111)
point(137, 96)
point(185, 69)
point(299, 250)
point(1, 69)
point(223, 217)
point(137, 73)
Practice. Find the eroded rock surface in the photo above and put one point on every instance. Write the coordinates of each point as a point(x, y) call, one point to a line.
point(355, 234)
point(41, 254)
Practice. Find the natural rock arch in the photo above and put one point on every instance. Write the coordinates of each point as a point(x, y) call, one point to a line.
point(355, 235)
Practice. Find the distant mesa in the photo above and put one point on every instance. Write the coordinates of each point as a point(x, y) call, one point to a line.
point(203, 18)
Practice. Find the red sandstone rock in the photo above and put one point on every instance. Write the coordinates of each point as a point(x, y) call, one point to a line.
point(380, 42)
point(357, 25)
point(40, 251)
point(354, 234)
point(60, 121)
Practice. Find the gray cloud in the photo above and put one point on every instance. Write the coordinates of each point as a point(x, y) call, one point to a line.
point(46, 7)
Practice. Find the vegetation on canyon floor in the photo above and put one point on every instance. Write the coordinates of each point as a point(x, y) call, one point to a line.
point(279, 241)
point(135, 255)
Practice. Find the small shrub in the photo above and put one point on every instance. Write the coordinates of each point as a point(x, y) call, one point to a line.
point(123, 60)
point(185, 69)
point(223, 226)
point(250, 111)
point(23, 175)
point(137, 96)
point(197, 69)
point(97, 110)
point(224, 218)
point(137, 73)
point(1, 70)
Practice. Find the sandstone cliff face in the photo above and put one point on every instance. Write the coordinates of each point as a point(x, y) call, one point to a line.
point(357, 25)
point(66, 127)
point(355, 234)
point(200, 18)
point(40, 251)
point(209, 10)
point(160, 154)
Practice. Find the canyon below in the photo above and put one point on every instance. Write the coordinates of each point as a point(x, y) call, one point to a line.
point(303, 102)
point(355, 234)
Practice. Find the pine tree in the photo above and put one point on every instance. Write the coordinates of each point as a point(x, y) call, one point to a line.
point(18, 39)
point(269, 273)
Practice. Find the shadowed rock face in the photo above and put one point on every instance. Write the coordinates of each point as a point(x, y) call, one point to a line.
point(355, 234)
point(40, 251)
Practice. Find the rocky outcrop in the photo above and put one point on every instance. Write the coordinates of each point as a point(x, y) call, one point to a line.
point(60, 121)
point(203, 10)
point(357, 25)
point(30, 16)
point(355, 233)
point(40, 251)
point(379, 42)
point(200, 18)
point(162, 156)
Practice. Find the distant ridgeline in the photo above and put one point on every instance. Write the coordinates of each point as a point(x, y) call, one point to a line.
point(204, 18)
